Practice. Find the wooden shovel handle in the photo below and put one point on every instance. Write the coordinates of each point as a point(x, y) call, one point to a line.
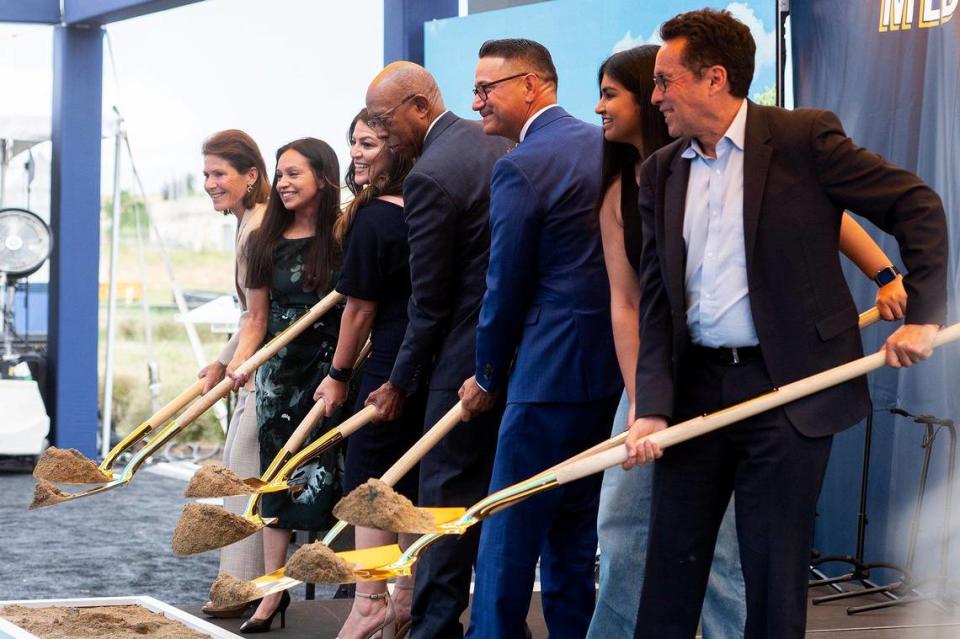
point(866, 318)
point(410, 458)
point(707, 423)
point(295, 441)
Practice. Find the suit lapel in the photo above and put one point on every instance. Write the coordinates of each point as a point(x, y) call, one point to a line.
point(675, 201)
point(756, 161)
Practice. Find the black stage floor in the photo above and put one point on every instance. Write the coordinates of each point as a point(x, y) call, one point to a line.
point(320, 619)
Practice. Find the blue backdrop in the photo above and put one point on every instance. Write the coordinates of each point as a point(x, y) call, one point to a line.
point(894, 80)
point(580, 35)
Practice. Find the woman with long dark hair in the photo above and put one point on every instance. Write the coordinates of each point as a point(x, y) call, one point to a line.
point(375, 278)
point(292, 261)
point(633, 130)
point(235, 178)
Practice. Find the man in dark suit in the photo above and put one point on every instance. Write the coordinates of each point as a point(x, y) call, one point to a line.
point(446, 200)
point(544, 339)
point(742, 292)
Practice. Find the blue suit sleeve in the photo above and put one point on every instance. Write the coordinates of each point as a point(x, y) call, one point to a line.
point(511, 275)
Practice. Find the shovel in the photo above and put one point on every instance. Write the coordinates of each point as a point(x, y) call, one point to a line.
point(294, 443)
point(277, 581)
point(200, 406)
point(106, 466)
point(388, 562)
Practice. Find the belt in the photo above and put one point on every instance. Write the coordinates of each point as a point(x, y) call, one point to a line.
point(727, 356)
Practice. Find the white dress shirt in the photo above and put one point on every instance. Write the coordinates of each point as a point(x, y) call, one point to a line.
point(718, 297)
point(526, 125)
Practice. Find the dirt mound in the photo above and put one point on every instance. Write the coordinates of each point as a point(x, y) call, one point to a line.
point(46, 494)
point(214, 480)
point(204, 527)
point(228, 591)
point(115, 622)
point(316, 564)
point(67, 466)
point(376, 505)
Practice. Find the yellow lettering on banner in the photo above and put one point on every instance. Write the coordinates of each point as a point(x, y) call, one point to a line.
point(929, 17)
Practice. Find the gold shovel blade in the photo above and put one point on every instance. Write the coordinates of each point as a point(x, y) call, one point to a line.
point(83, 493)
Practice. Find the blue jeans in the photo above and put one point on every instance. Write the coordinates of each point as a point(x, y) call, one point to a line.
point(622, 527)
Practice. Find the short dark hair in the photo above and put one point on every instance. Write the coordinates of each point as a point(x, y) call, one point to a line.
point(715, 38)
point(531, 52)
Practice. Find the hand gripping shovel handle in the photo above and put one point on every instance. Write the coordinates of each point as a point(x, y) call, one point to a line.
point(707, 423)
point(224, 387)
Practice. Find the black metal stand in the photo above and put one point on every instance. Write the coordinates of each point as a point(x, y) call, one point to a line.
point(860, 571)
point(905, 589)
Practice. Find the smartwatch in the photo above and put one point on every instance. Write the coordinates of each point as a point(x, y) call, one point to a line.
point(340, 374)
point(886, 275)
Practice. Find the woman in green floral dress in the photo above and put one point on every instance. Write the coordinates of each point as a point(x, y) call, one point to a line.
point(293, 259)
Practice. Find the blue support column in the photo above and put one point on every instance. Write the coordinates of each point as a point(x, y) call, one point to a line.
point(75, 220)
point(403, 26)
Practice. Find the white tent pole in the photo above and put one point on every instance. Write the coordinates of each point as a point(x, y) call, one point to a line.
point(107, 420)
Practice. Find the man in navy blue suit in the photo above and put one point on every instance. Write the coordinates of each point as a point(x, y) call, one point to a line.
point(544, 339)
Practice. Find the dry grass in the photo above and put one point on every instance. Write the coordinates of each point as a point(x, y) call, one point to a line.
point(209, 270)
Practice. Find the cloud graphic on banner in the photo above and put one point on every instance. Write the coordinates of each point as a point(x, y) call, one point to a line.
point(628, 41)
point(766, 40)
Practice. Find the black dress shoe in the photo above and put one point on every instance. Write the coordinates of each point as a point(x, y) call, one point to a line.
point(253, 625)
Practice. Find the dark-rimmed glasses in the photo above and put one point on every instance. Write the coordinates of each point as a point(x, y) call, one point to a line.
point(483, 90)
point(381, 121)
point(662, 81)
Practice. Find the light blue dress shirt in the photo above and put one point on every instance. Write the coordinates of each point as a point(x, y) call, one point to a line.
point(718, 297)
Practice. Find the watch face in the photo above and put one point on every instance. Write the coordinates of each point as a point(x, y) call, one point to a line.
point(886, 276)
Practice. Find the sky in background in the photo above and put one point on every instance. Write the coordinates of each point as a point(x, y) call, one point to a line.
point(279, 69)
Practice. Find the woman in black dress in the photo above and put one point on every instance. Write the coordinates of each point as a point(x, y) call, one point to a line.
point(292, 261)
point(375, 277)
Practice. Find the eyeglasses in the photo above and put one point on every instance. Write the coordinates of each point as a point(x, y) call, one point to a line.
point(382, 121)
point(482, 91)
point(662, 82)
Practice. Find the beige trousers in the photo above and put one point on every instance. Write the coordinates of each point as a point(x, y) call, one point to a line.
point(241, 454)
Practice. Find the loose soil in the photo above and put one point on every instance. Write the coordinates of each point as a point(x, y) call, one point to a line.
point(67, 466)
point(228, 591)
point(205, 527)
point(214, 480)
point(376, 505)
point(317, 564)
point(46, 494)
point(98, 622)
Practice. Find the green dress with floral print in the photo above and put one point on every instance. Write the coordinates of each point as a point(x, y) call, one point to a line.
point(285, 386)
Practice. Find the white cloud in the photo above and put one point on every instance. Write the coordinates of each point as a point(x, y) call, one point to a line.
point(628, 41)
point(766, 40)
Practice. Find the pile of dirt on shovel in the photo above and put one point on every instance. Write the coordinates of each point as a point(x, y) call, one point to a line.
point(316, 564)
point(204, 527)
point(115, 622)
point(46, 494)
point(214, 480)
point(376, 505)
point(228, 591)
point(67, 466)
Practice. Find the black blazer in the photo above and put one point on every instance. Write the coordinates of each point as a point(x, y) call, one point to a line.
point(446, 202)
point(800, 172)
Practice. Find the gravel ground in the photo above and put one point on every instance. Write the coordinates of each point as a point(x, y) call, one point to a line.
point(111, 544)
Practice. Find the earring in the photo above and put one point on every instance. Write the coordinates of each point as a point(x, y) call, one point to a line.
point(249, 188)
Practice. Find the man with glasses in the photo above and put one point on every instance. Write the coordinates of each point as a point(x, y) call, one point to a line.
point(446, 199)
point(544, 341)
point(743, 292)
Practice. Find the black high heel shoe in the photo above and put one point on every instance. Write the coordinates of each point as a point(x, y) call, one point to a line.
point(253, 625)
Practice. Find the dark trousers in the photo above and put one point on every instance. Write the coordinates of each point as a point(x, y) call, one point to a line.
point(455, 473)
point(559, 527)
point(776, 474)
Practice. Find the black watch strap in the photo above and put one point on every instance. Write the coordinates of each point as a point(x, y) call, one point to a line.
point(340, 374)
point(886, 275)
